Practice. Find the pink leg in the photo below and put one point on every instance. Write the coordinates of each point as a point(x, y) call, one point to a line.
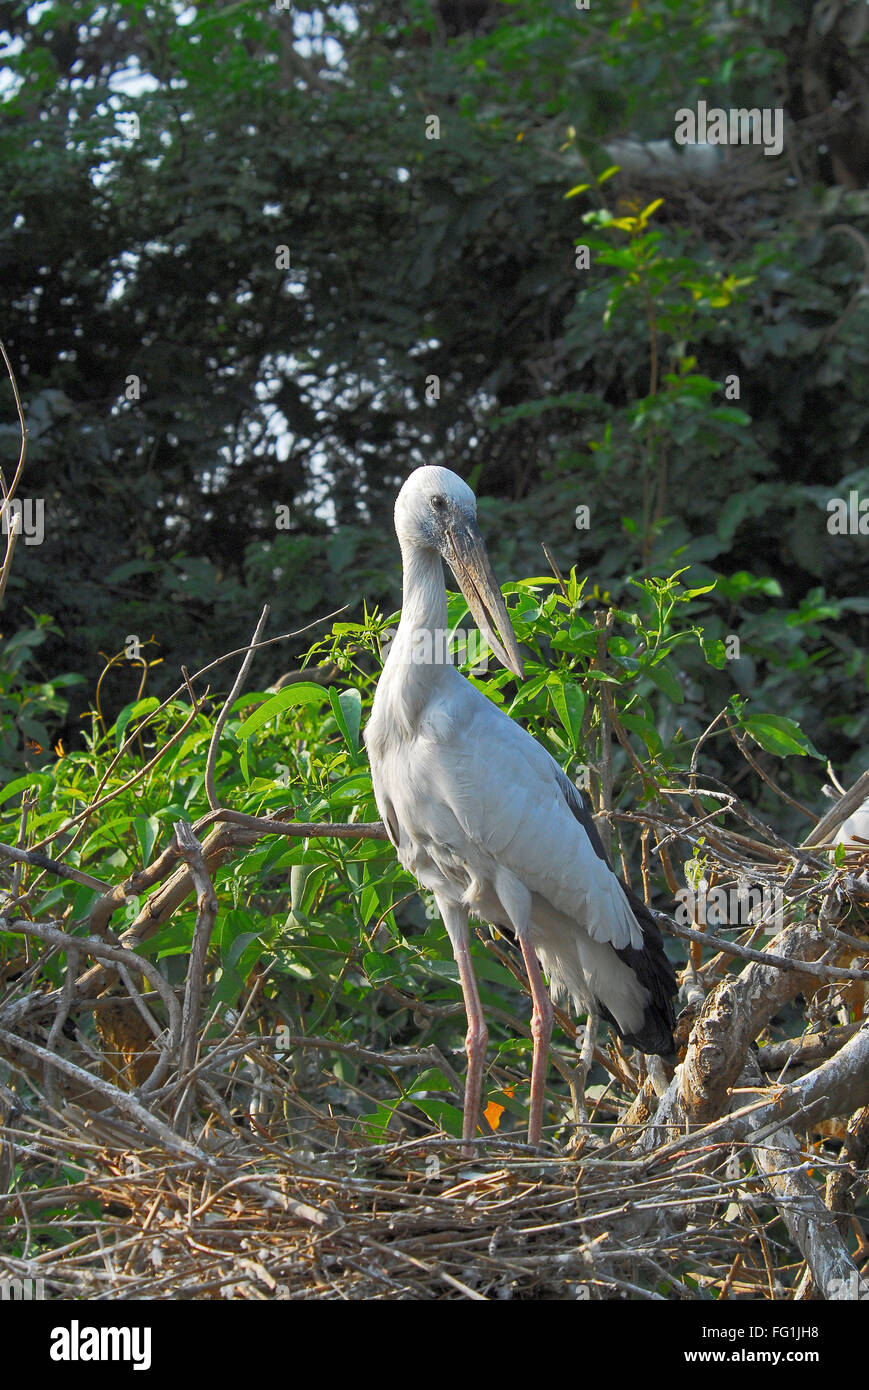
point(456, 922)
point(541, 1033)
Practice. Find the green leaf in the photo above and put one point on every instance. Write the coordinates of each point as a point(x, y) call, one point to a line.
point(715, 652)
point(356, 787)
point(347, 709)
point(661, 675)
point(445, 1115)
point(110, 834)
point(778, 735)
point(33, 779)
point(742, 584)
point(147, 829)
point(375, 1125)
point(603, 676)
point(134, 711)
point(569, 702)
point(239, 946)
point(172, 940)
point(527, 694)
point(430, 1080)
point(369, 903)
point(301, 693)
point(299, 875)
point(645, 729)
point(378, 967)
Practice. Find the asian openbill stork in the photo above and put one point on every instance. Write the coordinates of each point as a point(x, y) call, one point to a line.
point(484, 817)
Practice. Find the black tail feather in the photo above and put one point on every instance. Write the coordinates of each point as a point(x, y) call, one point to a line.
point(656, 974)
point(649, 962)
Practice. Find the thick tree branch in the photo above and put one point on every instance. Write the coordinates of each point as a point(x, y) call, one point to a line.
point(812, 1227)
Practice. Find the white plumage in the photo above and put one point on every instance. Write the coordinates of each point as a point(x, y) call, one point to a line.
point(853, 833)
point(483, 816)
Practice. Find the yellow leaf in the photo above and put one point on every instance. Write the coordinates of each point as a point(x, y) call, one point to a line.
point(493, 1113)
point(608, 173)
point(647, 212)
point(580, 188)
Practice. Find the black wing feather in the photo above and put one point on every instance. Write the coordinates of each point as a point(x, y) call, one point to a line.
point(649, 962)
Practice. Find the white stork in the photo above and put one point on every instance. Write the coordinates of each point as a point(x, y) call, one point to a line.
point(485, 818)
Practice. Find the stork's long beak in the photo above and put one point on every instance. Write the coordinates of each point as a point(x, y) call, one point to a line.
point(467, 558)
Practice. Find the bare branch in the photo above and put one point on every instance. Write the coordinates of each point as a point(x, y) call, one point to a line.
point(157, 1128)
point(53, 866)
point(237, 687)
point(6, 520)
point(733, 948)
point(812, 1227)
point(191, 852)
point(148, 718)
point(829, 824)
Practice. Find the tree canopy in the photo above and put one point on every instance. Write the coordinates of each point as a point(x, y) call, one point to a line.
point(260, 258)
point(259, 262)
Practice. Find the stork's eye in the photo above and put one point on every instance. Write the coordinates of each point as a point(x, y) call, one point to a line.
point(439, 503)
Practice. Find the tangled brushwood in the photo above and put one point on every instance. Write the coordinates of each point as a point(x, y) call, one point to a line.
point(154, 1146)
point(164, 1133)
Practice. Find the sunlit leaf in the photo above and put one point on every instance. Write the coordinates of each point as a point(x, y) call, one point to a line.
point(493, 1113)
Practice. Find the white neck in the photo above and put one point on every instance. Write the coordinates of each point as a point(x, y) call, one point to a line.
point(418, 655)
point(424, 601)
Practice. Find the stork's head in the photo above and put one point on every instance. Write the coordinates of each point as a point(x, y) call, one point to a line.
point(436, 510)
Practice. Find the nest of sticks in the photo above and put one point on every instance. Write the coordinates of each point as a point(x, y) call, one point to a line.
point(743, 1175)
point(258, 1221)
point(171, 1155)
